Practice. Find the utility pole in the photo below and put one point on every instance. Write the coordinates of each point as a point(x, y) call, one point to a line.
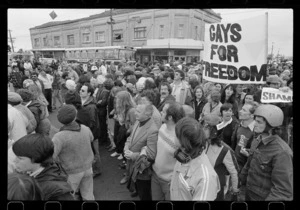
point(11, 40)
point(272, 51)
point(111, 22)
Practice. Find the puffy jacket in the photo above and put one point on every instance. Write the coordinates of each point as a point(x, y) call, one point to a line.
point(268, 172)
point(53, 182)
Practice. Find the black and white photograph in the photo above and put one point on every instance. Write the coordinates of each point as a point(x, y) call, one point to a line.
point(150, 104)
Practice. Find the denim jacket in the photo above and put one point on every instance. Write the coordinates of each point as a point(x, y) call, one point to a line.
point(268, 172)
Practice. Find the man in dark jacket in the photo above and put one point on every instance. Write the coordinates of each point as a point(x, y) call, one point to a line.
point(88, 115)
point(102, 101)
point(34, 157)
point(165, 95)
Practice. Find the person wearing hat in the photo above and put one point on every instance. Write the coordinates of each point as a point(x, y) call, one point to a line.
point(72, 147)
point(15, 100)
point(47, 80)
point(34, 156)
point(268, 173)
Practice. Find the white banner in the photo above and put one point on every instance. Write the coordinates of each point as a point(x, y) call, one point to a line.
point(236, 52)
point(272, 95)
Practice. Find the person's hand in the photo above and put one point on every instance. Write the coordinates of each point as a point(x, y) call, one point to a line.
point(284, 89)
point(128, 154)
point(244, 151)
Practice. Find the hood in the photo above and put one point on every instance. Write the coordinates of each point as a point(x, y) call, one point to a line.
point(74, 126)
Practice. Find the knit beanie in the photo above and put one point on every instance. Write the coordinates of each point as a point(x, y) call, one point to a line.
point(14, 97)
point(72, 97)
point(66, 114)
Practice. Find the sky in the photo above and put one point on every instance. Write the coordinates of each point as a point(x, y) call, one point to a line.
point(280, 25)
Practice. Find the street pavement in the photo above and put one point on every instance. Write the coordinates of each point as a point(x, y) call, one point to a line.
point(106, 186)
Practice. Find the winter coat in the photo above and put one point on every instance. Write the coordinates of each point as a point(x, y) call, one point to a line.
point(268, 172)
point(53, 182)
point(88, 116)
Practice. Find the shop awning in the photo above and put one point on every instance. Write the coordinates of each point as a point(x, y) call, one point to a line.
point(173, 44)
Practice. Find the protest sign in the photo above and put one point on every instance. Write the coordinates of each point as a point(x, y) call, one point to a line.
point(236, 52)
point(272, 95)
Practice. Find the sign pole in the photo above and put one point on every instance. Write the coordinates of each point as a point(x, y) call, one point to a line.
point(267, 37)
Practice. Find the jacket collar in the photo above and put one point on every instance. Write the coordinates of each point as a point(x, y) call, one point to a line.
point(268, 139)
point(73, 126)
point(88, 101)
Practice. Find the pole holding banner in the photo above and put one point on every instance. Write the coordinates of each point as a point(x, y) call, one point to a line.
point(267, 36)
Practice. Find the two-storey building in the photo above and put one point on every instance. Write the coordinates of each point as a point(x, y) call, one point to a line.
point(157, 34)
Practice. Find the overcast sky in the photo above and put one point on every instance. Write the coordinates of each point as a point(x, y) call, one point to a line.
point(280, 24)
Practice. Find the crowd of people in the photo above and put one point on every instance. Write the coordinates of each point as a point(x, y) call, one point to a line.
point(177, 136)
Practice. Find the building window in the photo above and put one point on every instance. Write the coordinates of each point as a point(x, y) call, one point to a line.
point(71, 40)
point(45, 41)
point(99, 36)
point(180, 30)
point(196, 32)
point(161, 31)
point(36, 42)
point(86, 37)
point(56, 40)
point(140, 32)
point(118, 35)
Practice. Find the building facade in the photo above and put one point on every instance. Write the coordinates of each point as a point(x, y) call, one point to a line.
point(157, 34)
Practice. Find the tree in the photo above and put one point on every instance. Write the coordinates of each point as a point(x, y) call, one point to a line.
point(8, 48)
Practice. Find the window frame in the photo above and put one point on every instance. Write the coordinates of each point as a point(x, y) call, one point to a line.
point(86, 34)
point(37, 44)
point(180, 31)
point(54, 41)
point(100, 32)
point(139, 30)
point(161, 31)
point(68, 40)
point(118, 31)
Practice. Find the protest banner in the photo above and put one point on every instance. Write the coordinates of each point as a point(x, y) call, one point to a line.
point(272, 95)
point(236, 52)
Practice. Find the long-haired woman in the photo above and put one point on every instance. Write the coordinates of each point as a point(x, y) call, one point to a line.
point(228, 95)
point(125, 118)
point(199, 101)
